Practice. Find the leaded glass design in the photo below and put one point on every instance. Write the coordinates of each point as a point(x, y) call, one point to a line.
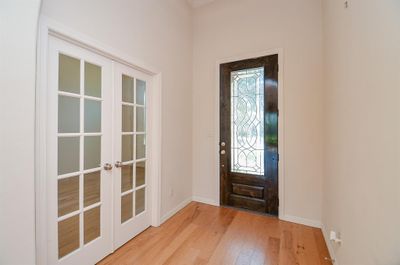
point(247, 121)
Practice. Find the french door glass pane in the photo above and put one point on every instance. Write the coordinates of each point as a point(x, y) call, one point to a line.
point(68, 114)
point(140, 119)
point(68, 235)
point(68, 155)
point(140, 201)
point(247, 121)
point(140, 146)
point(92, 80)
point(140, 173)
point(127, 146)
point(127, 118)
point(126, 207)
point(91, 224)
point(127, 89)
point(91, 192)
point(126, 177)
point(68, 195)
point(140, 92)
point(92, 152)
point(92, 116)
point(69, 74)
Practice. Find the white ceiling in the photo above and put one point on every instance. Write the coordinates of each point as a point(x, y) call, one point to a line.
point(198, 3)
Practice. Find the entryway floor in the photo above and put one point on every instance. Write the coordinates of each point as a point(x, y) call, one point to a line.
point(204, 234)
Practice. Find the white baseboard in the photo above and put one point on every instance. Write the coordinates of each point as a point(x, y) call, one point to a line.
point(205, 200)
point(302, 221)
point(328, 243)
point(179, 207)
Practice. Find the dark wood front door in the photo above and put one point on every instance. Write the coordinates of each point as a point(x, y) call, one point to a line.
point(249, 134)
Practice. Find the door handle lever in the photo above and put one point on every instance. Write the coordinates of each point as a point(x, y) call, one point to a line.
point(118, 164)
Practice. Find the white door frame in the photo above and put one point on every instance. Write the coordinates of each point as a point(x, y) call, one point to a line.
point(47, 28)
point(281, 122)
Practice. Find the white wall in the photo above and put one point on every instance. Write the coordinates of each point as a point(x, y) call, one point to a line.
point(229, 28)
point(18, 25)
point(159, 33)
point(362, 183)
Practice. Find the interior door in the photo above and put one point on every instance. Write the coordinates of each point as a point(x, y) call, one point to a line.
point(132, 213)
point(249, 134)
point(78, 151)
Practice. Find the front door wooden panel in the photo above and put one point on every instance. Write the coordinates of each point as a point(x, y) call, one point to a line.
point(249, 134)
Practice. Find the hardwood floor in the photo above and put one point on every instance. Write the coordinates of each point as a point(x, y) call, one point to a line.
point(204, 234)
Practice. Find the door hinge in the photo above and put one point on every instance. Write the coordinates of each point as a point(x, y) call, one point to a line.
point(277, 157)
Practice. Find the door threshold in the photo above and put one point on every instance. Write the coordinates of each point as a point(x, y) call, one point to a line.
point(249, 211)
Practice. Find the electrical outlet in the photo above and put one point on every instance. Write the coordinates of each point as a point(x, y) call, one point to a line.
point(346, 4)
point(335, 237)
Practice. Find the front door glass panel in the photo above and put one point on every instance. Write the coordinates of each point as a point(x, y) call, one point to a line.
point(247, 121)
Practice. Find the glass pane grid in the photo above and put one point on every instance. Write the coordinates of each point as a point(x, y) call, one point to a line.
point(133, 133)
point(133, 95)
point(128, 104)
point(247, 121)
point(92, 98)
point(133, 189)
point(88, 93)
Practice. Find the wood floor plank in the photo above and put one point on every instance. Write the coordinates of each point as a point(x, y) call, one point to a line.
point(202, 234)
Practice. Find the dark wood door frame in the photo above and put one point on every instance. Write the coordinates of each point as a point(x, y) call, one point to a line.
point(267, 189)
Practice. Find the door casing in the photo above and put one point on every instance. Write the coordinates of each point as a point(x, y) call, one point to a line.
point(281, 123)
point(253, 191)
point(50, 28)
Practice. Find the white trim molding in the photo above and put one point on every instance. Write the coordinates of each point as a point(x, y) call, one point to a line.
point(301, 220)
point(281, 121)
point(175, 210)
point(47, 28)
point(205, 200)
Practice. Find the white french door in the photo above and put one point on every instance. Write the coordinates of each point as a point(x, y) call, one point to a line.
point(131, 189)
point(94, 203)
